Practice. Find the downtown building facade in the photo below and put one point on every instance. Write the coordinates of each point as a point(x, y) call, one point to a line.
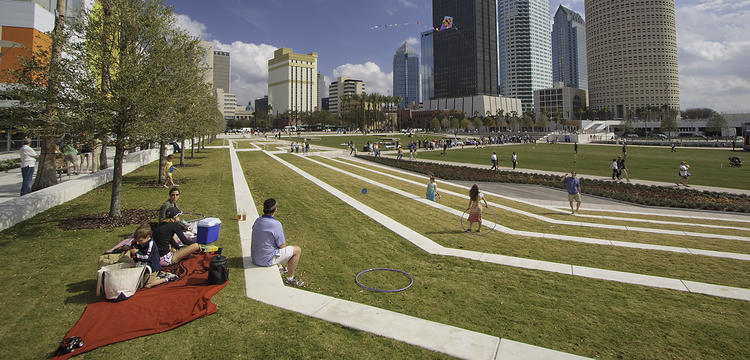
point(342, 87)
point(525, 56)
point(465, 56)
point(426, 68)
point(406, 75)
point(292, 81)
point(632, 56)
point(569, 49)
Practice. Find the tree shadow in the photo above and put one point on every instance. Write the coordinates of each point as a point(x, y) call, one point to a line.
point(84, 292)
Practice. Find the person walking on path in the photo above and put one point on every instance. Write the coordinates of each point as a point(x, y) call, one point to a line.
point(85, 155)
point(575, 147)
point(169, 172)
point(96, 151)
point(684, 174)
point(622, 169)
point(673, 150)
point(573, 185)
point(400, 152)
point(28, 160)
point(493, 157)
point(514, 159)
point(268, 244)
point(70, 154)
point(613, 166)
point(475, 208)
point(432, 189)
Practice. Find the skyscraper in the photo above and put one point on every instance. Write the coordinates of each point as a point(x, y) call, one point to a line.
point(406, 75)
point(342, 87)
point(465, 56)
point(427, 67)
point(569, 49)
point(292, 81)
point(632, 55)
point(221, 70)
point(525, 54)
point(321, 91)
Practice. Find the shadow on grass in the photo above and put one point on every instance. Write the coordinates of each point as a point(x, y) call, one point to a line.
point(236, 262)
point(85, 292)
point(444, 232)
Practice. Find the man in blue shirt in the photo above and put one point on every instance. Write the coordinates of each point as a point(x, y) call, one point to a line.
point(269, 246)
point(574, 190)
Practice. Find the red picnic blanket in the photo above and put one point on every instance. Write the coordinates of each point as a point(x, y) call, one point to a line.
point(149, 311)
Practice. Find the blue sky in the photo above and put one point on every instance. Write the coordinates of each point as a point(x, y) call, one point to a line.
point(713, 46)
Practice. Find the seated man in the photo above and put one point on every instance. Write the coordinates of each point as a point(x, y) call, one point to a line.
point(170, 252)
point(174, 194)
point(269, 245)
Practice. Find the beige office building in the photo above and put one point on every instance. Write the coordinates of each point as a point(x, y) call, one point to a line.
point(340, 88)
point(292, 81)
point(632, 55)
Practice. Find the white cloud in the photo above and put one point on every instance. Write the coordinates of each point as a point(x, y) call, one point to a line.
point(713, 49)
point(376, 81)
point(413, 42)
point(407, 3)
point(192, 27)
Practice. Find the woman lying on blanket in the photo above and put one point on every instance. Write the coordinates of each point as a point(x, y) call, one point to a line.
point(169, 250)
point(144, 251)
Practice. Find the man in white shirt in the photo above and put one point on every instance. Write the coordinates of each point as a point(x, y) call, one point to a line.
point(28, 160)
point(494, 161)
point(613, 166)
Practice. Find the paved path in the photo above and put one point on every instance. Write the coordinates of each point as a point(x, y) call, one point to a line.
point(264, 284)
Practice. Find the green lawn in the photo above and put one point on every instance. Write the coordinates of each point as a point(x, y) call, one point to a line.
point(707, 166)
point(589, 317)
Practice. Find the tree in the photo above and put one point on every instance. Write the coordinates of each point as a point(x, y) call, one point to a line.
point(698, 113)
point(668, 120)
point(477, 122)
point(454, 123)
point(715, 124)
point(435, 124)
point(465, 124)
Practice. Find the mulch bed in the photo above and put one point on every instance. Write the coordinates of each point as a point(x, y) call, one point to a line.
point(103, 221)
point(154, 183)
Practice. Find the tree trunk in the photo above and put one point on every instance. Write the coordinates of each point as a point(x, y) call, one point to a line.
point(103, 157)
point(116, 200)
point(192, 148)
point(182, 152)
point(162, 152)
point(47, 175)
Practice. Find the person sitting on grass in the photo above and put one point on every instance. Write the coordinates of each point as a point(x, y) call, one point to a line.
point(174, 195)
point(169, 171)
point(144, 251)
point(171, 252)
point(475, 209)
point(269, 247)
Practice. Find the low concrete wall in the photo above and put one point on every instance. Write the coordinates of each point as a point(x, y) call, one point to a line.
point(25, 207)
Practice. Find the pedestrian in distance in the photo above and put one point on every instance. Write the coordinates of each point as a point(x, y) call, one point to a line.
point(169, 170)
point(622, 169)
point(493, 158)
point(684, 174)
point(573, 186)
point(28, 160)
point(475, 208)
point(575, 147)
point(514, 159)
point(613, 166)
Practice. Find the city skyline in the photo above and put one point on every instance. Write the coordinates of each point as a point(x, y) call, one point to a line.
point(711, 58)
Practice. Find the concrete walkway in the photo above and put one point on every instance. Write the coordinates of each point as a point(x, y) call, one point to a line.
point(568, 269)
point(264, 284)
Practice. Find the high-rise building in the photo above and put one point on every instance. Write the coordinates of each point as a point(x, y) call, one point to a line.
point(208, 62)
point(406, 75)
point(226, 102)
point(321, 91)
point(465, 56)
point(222, 70)
point(293, 81)
point(569, 49)
point(632, 55)
point(525, 55)
point(427, 67)
point(340, 88)
point(261, 104)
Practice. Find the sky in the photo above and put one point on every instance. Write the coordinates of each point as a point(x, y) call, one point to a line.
point(713, 46)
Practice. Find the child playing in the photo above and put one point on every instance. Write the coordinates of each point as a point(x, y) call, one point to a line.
point(169, 170)
point(475, 210)
point(432, 189)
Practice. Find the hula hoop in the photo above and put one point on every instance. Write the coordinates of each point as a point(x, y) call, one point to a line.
point(411, 280)
point(482, 233)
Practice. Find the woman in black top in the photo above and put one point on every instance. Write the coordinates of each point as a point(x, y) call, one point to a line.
point(170, 252)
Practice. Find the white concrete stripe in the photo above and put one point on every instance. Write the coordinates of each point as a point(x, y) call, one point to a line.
point(602, 274)
point(565, 222)
point(562, 209)
point(506, 230)
point(265, 285)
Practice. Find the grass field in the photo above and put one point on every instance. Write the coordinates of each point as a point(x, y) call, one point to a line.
point(707, 166)
point(51, 276)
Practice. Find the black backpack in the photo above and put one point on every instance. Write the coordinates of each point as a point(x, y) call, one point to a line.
point(218, 271)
